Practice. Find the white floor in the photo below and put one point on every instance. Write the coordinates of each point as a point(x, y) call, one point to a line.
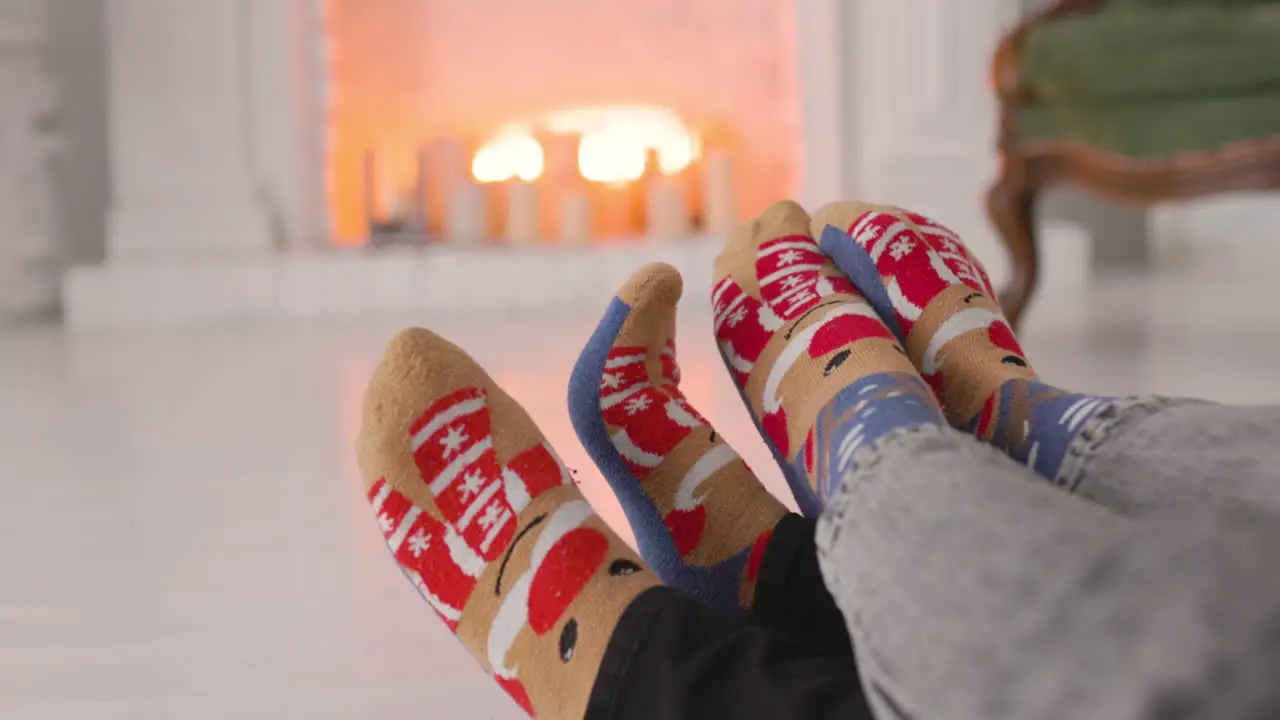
point(182, 533)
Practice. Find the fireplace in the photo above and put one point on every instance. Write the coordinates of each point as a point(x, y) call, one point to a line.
point(556, 121)
point(253, 142)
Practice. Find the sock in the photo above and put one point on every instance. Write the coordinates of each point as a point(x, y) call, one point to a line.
point(820, 372)
point(937, 298)
point(482, 517)
point(700, 516)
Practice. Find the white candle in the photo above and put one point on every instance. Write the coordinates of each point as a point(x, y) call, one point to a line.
point(721, 195)
point(522, 212)
point(468, 217)
point(666, 210)
point(575, 219)
point(448, 165)
point(392, 204)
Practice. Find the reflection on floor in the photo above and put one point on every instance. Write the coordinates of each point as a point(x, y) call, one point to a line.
point(182, 533)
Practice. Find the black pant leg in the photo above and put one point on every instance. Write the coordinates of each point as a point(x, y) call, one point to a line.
point(791, 597)
point(672, 658)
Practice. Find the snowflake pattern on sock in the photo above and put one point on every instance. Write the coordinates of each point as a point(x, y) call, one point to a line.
point(477, 502)
point(651, 421)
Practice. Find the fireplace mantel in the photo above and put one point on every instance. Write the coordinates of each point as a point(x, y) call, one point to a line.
point(217, 146)
point(28, 230)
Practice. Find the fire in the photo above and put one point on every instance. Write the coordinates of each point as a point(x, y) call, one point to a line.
point(615, 144)
point(508, 156)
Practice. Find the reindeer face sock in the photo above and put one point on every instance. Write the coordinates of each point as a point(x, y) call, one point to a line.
point(936, 296)
point(483, 519)
point(700, 516)
point(819, 370)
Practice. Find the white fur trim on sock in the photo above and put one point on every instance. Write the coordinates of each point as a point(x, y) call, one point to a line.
point(628, 449)
point(516, 489)
point(513, 615)
point(680, 416)
point(955, 326)
point(461, 553)
point(901, 304)
point(711, 461)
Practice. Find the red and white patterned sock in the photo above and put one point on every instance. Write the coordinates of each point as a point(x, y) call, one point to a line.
point(802, 343)
point(484, 519)
point(936, 296)
point(931, 289)
point(701, 518)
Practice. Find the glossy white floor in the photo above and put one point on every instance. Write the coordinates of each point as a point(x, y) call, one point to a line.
point(182, 533)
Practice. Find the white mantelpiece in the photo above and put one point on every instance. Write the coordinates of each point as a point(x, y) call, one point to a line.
point(216, 117)
point(206, 115)
point(422, 285)
point(29, 257)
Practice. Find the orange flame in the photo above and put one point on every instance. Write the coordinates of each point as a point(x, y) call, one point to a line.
point(615, 143)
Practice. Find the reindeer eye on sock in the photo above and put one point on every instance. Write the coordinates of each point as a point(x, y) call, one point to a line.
point(836, 361)
point(568, 640)
point(621, 567)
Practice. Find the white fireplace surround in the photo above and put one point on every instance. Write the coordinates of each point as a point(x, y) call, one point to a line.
point(217, 115)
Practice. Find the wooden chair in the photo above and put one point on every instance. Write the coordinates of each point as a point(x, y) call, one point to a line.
point(1121, 98)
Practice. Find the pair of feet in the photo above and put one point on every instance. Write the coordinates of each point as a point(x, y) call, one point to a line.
point(882, 324)
point(863, 320)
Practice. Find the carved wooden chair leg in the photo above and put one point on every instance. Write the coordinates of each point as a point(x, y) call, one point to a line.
point(1011, 207)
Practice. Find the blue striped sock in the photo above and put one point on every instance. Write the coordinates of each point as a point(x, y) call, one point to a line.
point(1035, 423)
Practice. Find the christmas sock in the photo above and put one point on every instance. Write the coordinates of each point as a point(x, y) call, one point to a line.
point(483, 518)
point(937, 298)
point(700, 516)
point(820, 372)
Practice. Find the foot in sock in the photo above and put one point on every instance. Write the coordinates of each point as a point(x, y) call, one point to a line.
point(700, 516)
point(936, 296)
point(483, 518)
point(821, 373)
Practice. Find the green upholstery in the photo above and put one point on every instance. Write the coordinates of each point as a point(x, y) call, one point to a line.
point(1154, 55)
point(1150, 130)
point(1146, 78)
point(1165, 4)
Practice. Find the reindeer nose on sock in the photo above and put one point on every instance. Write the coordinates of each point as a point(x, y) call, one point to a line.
point(686, 528)
point(565, 571)
point(843, 330)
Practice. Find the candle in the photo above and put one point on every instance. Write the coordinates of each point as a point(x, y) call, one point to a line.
point(720, 195)
point(522, 212)
point(448, 166)
point(613, 210)
point(468, 217)
point(575, 219)
point(559, 179)
point(667, 209)
point(417, 197)
point(392, 207)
